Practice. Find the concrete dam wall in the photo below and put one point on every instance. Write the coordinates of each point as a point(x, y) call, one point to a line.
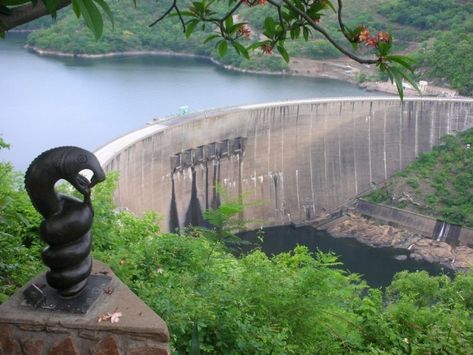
point(302, 159)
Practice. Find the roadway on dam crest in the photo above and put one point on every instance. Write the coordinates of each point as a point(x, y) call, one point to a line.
point(303, 159)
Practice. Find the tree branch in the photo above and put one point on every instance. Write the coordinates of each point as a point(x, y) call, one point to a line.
point(327, 36)
point(227, 15)
point(26, 13)
point(340, 20)
point(167, 12)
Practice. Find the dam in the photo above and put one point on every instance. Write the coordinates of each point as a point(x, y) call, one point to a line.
point(301, 159)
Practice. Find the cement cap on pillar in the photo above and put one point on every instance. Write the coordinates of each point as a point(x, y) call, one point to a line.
point(136, 317)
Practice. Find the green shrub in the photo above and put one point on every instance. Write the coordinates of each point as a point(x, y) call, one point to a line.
point(413, 182)
point(19, 235)
point(377, 196)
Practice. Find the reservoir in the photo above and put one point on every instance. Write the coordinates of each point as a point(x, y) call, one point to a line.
point(49, 102)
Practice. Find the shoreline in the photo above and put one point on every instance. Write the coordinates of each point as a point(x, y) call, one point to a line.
point(332, 75)
point(340, 69)
point(157, 53)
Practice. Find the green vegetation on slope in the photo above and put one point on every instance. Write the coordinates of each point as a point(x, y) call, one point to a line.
point(424, 14)
point(446, 26)
point(438, 183)
point(450, 58)
point(132, 33)
point(292, 303)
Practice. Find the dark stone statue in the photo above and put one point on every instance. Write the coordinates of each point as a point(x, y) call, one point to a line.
point(67, 220)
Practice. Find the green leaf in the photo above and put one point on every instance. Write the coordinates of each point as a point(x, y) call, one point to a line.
point(404, 61)
point(76, 7)
point(222, 48)
point(211, 37)
point(398, 80)
point(236, 27)
point(329, 4)
point(199, 7)
point(195, 342)
point(299, 5)
point(410, 79)
point(51, 6)
point(256, 45)
point(107, 10)
point(283, 53)
point(92, 16)
point(269, 27)
point(288, 16)
point(183, 13)
point(305, 33)
point(229, 22)
point(295, 32)
point(241, 50)
point(190, 27)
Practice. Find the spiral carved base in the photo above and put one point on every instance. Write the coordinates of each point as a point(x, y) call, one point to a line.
point(70, 241)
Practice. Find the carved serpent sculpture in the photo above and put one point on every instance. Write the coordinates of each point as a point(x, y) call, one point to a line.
point(67, 220)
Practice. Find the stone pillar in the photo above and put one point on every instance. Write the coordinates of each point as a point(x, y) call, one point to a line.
point(139, 331)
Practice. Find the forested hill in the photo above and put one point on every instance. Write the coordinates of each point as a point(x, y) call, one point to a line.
point(444, 31)
point(438, 183)
point(439, 33)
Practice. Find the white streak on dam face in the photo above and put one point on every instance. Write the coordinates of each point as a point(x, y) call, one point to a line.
point(303, 159)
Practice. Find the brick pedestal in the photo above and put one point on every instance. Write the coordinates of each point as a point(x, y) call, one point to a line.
point(24, 330)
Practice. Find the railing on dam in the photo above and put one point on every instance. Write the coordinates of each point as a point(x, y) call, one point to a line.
point(303, 159)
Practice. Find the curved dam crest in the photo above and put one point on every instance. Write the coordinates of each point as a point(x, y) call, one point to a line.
point(303, 159)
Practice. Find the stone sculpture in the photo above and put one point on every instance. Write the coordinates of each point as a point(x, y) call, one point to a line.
point(67, 220)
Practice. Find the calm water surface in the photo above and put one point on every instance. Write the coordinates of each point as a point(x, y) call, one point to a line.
point(376, 265)
point(47, 102)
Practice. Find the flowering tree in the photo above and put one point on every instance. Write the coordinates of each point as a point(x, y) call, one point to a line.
point(293, 19)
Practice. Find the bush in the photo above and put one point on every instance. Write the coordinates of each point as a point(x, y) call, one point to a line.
point(377, 196)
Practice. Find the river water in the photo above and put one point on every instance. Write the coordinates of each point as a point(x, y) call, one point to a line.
point(377, 266)
point(48, 102)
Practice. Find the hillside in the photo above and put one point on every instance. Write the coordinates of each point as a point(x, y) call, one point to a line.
point(439, 34)
point(438, 183)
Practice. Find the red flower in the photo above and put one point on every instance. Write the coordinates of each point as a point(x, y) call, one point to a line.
point(244, 31)
point(384, 36)
point(266, 48)
point(372, 41)
point(362, 34)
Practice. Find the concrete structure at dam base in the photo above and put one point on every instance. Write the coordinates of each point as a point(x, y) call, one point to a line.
point(302, 159)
